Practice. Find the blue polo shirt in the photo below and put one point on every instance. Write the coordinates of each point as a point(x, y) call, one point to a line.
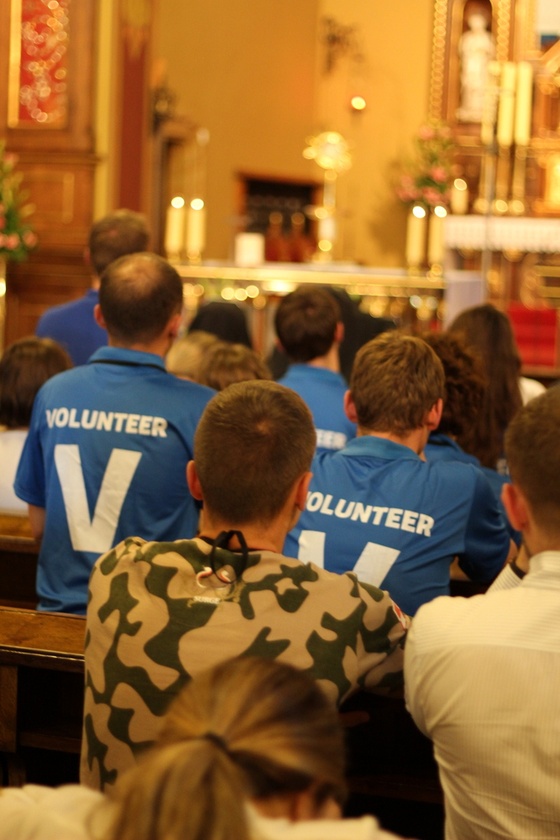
point(73, 325)
point(323, 392)
point(398, 522)
point(105, 456)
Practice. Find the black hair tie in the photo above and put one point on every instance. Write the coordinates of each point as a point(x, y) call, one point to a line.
point(217, 740)
point(222, 541)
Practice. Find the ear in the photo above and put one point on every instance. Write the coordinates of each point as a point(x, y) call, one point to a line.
point(434, 415)
point(339, 332)
point(193, 482)
point(279, 346)
point(98, 315)
point(173, 325)
point(516, 506)
point(350, 407)
point(301, 490)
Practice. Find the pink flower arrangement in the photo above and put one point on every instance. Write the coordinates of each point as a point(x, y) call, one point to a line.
point(427, 179)
point(16, 236)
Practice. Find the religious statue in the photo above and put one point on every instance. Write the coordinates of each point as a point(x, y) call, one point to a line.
point(476, 50)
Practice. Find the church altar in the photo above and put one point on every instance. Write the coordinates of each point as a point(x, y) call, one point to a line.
point(412, 299)
point(503, 233)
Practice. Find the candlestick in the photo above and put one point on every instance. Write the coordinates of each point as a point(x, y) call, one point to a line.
point(517, 203)
point(500, 204)
point(436, 236)
point(196, 229)
point(523, 104)
point(507, 105)
point(490, 107)
point(416, 237)
point(175, 227)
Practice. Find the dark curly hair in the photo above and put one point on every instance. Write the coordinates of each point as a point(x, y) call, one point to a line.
point(465, 384)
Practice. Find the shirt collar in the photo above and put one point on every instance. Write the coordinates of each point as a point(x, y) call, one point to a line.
point(125, 356)
point(376, 447)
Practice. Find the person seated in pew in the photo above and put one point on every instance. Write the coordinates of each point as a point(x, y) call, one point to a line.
point(226, 362)
point(25, 365)
point(73, 324)
point(483, 674)
point(310, 330)
point(187, 353)
point(251, 749)
point(378, 508)
point(159, 613)
point(465, 385)
point(109, 441)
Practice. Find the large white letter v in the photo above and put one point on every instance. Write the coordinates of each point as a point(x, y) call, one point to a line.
point(97, 534)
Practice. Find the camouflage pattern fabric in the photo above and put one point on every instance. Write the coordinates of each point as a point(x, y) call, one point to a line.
point(157, 616)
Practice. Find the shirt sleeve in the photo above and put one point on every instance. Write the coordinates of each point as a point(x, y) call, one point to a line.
point(29, 483)
point(382, 633)
point(412, 674)
point(487, 540)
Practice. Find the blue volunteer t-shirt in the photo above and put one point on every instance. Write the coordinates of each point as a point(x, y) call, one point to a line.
point(323, 392)
point(377, 509)
point(106, 456)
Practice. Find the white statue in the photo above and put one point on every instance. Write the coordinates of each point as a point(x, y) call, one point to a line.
point(476, 50)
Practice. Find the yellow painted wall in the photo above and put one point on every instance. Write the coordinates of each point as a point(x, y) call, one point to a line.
point(251, 72)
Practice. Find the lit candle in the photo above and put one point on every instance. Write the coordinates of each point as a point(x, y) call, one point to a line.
point(196, 228)
point(459, 197)
point(507, 105)
point(523, 104)
point(416, 236)
point(175, 227)
point(326, 229)
point(436, 239)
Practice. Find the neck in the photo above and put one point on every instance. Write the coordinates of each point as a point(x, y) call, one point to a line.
point(415, 440)
point(158, 348)
point(269, 537)
point(330, 361)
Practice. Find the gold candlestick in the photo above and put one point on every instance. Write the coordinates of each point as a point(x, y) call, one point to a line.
point(517, 204)
point(500, 204)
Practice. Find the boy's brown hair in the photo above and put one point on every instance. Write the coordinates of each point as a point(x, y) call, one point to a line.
point(396, 379)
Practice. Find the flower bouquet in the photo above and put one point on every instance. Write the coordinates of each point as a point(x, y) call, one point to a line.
point(17, 238)
point(427, 179)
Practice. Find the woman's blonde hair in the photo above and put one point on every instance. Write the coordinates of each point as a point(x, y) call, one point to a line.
point(249, 728)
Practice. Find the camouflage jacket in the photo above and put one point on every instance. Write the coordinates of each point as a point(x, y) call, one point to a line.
point(157, 616)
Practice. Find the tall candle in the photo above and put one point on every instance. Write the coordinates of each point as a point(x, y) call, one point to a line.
point(523, 104)
point(416, 236)
point(175, 227)
point(436, 239)
point(507, 105)
point(459, 197)
point(196, 228)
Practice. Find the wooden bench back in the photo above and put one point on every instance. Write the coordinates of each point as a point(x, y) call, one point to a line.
point(41, 685)
point(18, 571)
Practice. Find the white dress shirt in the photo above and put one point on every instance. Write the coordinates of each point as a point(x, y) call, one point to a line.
point(482, 681)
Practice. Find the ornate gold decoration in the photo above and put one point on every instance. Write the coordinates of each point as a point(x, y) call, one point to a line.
point(438, 60)
point(38, 63)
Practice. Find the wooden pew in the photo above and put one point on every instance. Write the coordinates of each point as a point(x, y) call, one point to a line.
point(41, 684)
point(18, 570)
